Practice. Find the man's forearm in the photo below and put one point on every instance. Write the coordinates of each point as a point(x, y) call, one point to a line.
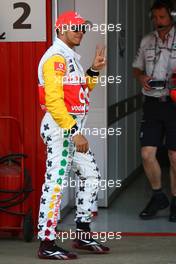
point(137, 73)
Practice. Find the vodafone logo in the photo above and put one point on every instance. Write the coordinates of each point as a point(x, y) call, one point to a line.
point(78, 108)
point(61, 65)
point(58, 66)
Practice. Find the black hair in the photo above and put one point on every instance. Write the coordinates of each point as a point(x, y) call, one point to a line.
point(167, 4)
point(57, 31)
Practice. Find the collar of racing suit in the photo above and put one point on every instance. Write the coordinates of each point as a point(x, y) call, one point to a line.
point(58, 42)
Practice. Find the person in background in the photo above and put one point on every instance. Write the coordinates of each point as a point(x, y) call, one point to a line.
point(153, 68)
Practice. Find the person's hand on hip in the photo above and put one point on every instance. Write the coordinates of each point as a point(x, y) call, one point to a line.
point(81, 143)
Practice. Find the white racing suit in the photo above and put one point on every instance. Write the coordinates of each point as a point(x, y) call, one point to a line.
point(69, 108)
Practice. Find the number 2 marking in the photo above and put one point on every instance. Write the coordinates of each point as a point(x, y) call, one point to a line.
point(26, 12)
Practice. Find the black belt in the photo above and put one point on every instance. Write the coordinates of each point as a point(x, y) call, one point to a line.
point(161, 99)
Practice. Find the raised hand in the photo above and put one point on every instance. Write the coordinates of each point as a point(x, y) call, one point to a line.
point(99, 60)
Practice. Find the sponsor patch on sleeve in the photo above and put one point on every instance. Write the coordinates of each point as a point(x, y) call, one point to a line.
point(59, 66)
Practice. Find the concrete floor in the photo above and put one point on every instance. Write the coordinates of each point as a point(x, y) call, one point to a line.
point(129, 250)
point(123, 214)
